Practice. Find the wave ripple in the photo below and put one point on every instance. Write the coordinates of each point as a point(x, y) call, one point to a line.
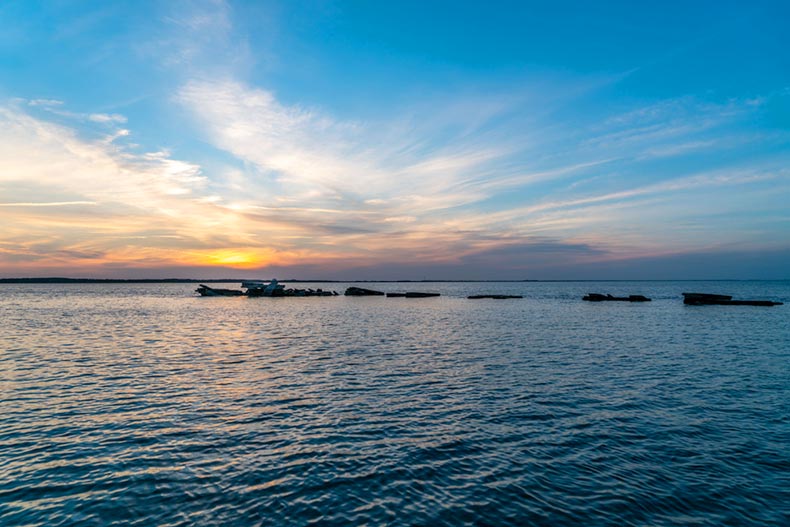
point(140, 405)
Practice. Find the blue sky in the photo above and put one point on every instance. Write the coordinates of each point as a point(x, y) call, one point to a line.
point(395, 140)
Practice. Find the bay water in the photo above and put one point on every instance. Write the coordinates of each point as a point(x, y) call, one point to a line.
point(143, 404)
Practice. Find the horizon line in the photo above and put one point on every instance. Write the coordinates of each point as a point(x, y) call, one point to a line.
point(66, 280)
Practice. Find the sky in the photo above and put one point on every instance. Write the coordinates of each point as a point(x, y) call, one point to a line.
point(395, 140)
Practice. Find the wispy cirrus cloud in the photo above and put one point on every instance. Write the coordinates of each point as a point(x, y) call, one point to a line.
point(113, 118)
point(424, 158)
point(302, 153)
point(464, 180)
point(47, 204)
point(197, 36)
point(64, 195)
point(98, 204)
point(54, 155)
point(46, 103)
point(346, 194)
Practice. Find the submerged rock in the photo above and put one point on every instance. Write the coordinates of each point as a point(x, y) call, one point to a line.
point(597, 297)
point(495, 297)
point(705, 299)
point(412, 294)
point(361, 291)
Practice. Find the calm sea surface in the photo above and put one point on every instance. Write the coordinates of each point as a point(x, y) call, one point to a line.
point(144, 405)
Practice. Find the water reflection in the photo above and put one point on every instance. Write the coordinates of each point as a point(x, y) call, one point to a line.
point(141, 403)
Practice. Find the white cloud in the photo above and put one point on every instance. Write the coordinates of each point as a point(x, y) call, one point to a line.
point(44, 102)
point(401, 181)
point(54, 155)
point(48, 204)
point(107, 118)
point(198, 36)
point(313, 186)
point(302, 151)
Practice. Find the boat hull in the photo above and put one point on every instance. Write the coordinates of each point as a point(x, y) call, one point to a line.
point(205, 290)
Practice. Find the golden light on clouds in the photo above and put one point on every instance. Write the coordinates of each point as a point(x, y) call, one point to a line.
point(319, 195)
point(238, 258)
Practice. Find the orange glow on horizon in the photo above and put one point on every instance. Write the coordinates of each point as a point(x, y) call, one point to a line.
point(235, 258)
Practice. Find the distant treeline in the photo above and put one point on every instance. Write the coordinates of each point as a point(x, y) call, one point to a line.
point(59, 280)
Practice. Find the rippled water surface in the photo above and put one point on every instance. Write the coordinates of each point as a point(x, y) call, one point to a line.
point(144, 405)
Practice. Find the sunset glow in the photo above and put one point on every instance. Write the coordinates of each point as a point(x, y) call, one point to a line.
point(213, 138)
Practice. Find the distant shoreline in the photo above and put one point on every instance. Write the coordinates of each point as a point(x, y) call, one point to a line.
point(59, 280)
point(62, 280)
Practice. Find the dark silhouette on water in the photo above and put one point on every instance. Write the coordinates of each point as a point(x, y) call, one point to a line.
point(205, 290)
point(412, 294)
point(272, 288)
point(705, 299)
point(495, 297)
point(262, 289)
point(597, 297)
point(361, 291)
